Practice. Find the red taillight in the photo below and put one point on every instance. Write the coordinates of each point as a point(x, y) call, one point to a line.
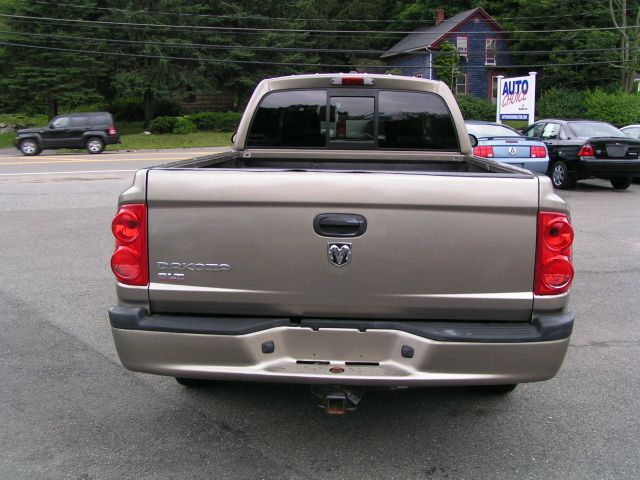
point(554, 271)
point(129, 261)
point(352, 81)
point(112, 131)
point(586, 151)
point(125, 226)
point(538, 152)
point(483, 151)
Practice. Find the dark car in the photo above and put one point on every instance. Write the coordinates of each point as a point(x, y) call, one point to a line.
point(581, 149)
point(92, 131)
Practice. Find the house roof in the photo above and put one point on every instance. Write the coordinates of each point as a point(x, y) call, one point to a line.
point(427, 36)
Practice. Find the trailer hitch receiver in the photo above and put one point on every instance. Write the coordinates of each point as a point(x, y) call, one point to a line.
point(337, 400)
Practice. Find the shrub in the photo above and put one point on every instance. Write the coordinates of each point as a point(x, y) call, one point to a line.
point(127, 109)
point(561, 103)
point(166, 107)
point(18, 121)
point(163, 124)
point(86, 107)
point(618, 108)
point(474, 108)
point(184, 125)
point(216, 121)
point(205, 121)
point(229, 121)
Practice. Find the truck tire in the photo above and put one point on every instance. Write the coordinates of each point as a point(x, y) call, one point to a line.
point(561, 177)
point(29, 147)
point(95, 145)
point(193, 382)
point(621, 183)
point(497, 389)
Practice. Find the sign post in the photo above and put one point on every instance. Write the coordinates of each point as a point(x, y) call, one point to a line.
point(516, 98)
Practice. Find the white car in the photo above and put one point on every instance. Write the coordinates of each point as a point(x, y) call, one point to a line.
point(634, 132)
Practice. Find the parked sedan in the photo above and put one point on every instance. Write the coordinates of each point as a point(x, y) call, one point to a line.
point(632, 131)
point(581, 149)
point(505, 144)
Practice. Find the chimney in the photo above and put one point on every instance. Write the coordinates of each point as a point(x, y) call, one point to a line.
point(439, 15)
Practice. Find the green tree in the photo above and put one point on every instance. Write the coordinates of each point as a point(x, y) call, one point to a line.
point(626, 18)
point(447, 64)
point(154, 61)
point(39, 80)
point(541, 35)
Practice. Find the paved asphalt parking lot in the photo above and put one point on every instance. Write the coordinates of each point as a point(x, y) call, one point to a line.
point(69, 410)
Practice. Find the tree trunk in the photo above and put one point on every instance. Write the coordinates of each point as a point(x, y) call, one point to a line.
point(148, 113)
point(52, 108)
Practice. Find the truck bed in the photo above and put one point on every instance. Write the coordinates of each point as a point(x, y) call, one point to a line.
point(409, 162)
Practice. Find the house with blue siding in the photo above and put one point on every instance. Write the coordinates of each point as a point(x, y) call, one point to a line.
point(481, 43)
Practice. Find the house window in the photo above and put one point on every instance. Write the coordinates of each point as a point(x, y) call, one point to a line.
point(490, 51)
point(461, 84)
point(462, 44)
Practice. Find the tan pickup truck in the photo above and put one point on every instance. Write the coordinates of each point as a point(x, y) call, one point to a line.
point(349, 239)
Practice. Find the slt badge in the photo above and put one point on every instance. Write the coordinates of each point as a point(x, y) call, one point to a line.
point(339, 254)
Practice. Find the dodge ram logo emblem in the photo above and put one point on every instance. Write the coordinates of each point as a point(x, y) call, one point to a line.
point(339, 254)
point(512, 150)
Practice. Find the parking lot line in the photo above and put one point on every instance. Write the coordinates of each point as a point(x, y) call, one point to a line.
point(86, 160)
point(74, 172)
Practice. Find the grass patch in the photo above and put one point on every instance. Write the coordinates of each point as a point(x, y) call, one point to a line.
point(130, 128)
point(24, 120)
point(6, 140)
point(199, 139)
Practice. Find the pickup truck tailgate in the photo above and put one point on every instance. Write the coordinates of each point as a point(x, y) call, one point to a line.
point(450, 247)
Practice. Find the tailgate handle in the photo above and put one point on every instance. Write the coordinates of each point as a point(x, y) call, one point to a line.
point(339, 225)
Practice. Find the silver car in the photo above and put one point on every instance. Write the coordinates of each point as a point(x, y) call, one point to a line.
point(507, 145)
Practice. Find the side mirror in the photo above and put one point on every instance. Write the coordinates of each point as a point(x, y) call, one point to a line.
point(233, 137)
point(474, 140)
point(51, 125)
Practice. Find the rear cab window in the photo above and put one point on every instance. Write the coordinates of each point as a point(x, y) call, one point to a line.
point(336, 119)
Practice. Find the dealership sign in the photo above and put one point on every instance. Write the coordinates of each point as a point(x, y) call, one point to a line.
point(516, 99)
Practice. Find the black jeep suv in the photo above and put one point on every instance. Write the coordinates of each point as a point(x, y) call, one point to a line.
point(92, 131)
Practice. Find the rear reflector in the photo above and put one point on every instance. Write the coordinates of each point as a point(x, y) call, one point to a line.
point(485, 151)
point(129, 262)
point(352, 81)
point(586, 151)
point(554, 270)
point(538, 152)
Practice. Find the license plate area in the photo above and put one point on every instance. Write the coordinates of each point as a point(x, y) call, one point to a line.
point(617, 151)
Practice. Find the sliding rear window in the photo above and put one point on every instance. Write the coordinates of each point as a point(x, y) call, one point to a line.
point(346, 119)
point(415, 120)
point(290, 118)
